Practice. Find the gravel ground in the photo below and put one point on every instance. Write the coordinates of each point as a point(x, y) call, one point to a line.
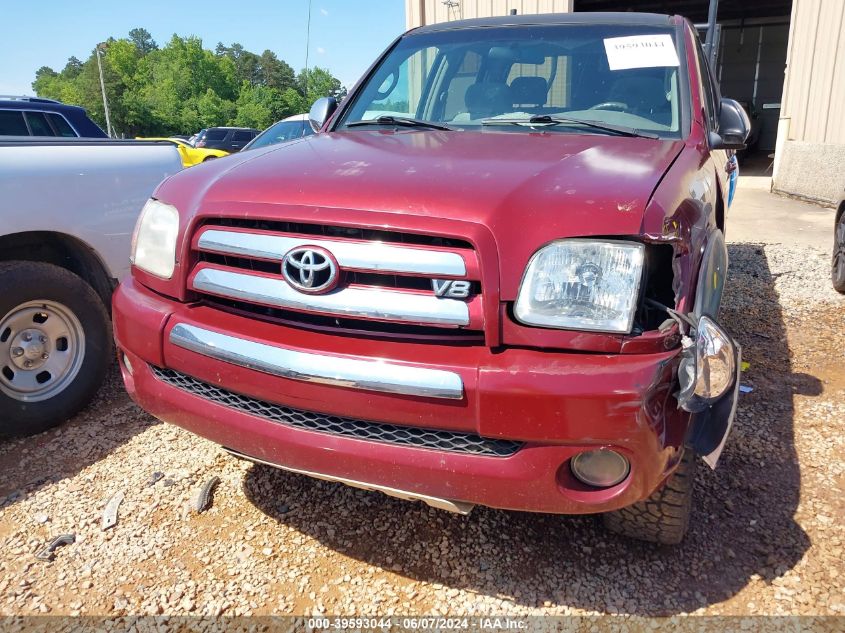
point(767, 534)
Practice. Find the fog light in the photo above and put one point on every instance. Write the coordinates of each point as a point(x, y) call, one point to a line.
point(127, 364)
point(601, 468)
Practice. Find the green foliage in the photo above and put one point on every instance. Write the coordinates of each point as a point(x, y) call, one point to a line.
point(181, 87)
point(318, 82)
point(143, 41)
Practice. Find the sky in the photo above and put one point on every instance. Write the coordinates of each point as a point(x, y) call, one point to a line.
point(346, 35)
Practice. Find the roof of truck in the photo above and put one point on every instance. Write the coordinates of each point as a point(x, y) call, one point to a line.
point(645, 19)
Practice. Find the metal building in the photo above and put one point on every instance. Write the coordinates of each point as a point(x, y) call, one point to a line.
point(784, 59)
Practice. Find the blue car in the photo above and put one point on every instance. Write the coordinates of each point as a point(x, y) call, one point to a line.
point(33, 116)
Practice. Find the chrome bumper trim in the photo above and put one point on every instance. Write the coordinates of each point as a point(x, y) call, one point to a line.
point(385, 305)
point(459, 507)
point(367, 256)
point(373, 375)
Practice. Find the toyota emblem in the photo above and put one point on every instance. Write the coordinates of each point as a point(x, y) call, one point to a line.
point(310, 269)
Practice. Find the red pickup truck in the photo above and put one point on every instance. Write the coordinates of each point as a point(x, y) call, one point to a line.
point(492, 278)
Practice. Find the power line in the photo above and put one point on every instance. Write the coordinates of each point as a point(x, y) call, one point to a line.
point(307, 46)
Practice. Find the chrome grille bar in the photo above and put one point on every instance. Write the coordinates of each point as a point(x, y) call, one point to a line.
point(329, 370)
point(375, 303)
point(368, 256)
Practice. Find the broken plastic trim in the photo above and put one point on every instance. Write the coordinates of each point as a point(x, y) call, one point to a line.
point(713, 416)
point(709, 428)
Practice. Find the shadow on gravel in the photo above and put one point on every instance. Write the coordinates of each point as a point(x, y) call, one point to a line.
point(742, 526)
point(29, 463)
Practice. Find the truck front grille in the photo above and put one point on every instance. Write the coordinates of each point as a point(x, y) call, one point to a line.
point(450, 441)
point(385, 279)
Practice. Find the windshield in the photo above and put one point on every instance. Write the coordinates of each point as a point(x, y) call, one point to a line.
point(281, 132)
point(621, 75)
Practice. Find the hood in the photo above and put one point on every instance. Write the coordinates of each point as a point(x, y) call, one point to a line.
point(525, 188)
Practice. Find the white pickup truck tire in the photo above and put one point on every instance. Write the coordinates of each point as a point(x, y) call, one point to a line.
point(55, 346)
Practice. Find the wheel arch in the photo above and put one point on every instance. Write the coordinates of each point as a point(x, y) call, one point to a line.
point(64, 251)
point(720, 213)
point(712, 273)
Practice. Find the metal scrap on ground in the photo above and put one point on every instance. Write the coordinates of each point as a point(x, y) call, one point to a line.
point(48, 552)
point(110, 513)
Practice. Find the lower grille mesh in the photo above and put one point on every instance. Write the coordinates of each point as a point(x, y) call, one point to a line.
point(334, 425)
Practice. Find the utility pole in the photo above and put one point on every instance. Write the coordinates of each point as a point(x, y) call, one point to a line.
point(109, 130)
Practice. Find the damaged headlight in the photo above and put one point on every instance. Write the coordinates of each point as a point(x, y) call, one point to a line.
point(582, 284)
point(708, 366)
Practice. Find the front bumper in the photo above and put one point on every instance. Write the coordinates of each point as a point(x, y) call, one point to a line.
point(553, 404)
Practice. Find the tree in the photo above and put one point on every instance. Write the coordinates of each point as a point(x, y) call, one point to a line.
point(316, 82)
point(45, 72)
point(274, 73)
point(259, 106)
point(246, 63)
point(143, 41)
point(291, 102)
point(181, 87)
point(72, 68)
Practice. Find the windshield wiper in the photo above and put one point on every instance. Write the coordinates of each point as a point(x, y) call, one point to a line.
point(387, 119)
point(545, 119)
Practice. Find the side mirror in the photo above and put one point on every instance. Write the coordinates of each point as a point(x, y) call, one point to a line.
point(734, 126)
point(321, 111)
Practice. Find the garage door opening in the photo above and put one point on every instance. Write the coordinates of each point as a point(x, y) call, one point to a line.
point(753, 36)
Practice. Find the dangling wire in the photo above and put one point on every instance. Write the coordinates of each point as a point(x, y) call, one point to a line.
point(681, 319)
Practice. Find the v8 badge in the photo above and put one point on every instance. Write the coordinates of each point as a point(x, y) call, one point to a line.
point(451, 288)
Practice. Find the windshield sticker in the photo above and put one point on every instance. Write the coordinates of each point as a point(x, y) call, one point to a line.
point(640, 51)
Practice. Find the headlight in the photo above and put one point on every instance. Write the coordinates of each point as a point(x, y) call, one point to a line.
point(154, 239)
point(582, 285)
point(714, 360)
point(708, 366)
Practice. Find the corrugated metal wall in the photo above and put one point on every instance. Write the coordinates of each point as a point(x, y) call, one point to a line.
point(421, 12)
point(814, 90)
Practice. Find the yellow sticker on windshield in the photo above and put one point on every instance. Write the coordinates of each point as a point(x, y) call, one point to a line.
point(641, 51)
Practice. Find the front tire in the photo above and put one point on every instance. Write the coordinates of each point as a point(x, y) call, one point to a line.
point(838, 269)
point(664, 516)
point(55, 346)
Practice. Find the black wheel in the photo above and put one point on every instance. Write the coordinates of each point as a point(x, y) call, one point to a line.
point(55, 346)
point(838, 271)
point(664, 516)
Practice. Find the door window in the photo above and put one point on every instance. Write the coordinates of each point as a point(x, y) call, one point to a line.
point(708, 89)
point(12, 123)
point(60, 125)
point(38, 124)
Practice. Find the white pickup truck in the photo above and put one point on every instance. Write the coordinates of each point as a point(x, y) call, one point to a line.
point(67, 211)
